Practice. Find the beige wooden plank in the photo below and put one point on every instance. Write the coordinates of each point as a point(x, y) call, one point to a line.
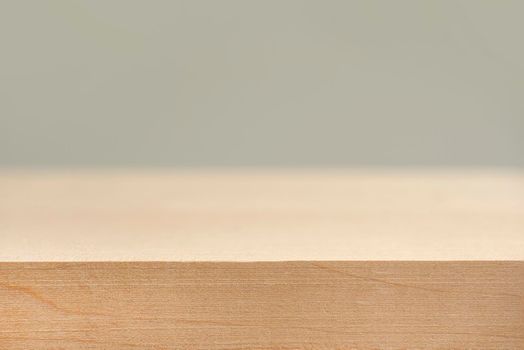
point(261, 215)
point(271, 305)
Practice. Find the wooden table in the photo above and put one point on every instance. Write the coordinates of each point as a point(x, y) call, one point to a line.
point(262, 259)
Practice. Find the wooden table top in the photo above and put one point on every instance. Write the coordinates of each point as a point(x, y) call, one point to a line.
point(261, 215)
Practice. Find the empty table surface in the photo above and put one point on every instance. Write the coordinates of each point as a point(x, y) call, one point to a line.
point(261, 215)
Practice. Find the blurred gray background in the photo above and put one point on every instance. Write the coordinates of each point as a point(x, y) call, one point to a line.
point(263, 83)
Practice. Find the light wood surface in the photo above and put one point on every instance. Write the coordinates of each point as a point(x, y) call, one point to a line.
point(360, 217)
point(261, 215)
point(272, 305)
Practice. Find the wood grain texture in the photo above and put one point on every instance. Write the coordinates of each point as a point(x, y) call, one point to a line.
point(266, 305)
point(271, 215)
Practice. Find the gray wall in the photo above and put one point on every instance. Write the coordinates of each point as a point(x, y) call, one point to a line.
point(268, 82)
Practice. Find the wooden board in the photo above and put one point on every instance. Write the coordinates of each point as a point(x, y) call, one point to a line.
point(271, 305)
point(380, 227)
point(262, 215)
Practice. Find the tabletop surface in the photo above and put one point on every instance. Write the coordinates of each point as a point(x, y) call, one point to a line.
point(261, 215)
